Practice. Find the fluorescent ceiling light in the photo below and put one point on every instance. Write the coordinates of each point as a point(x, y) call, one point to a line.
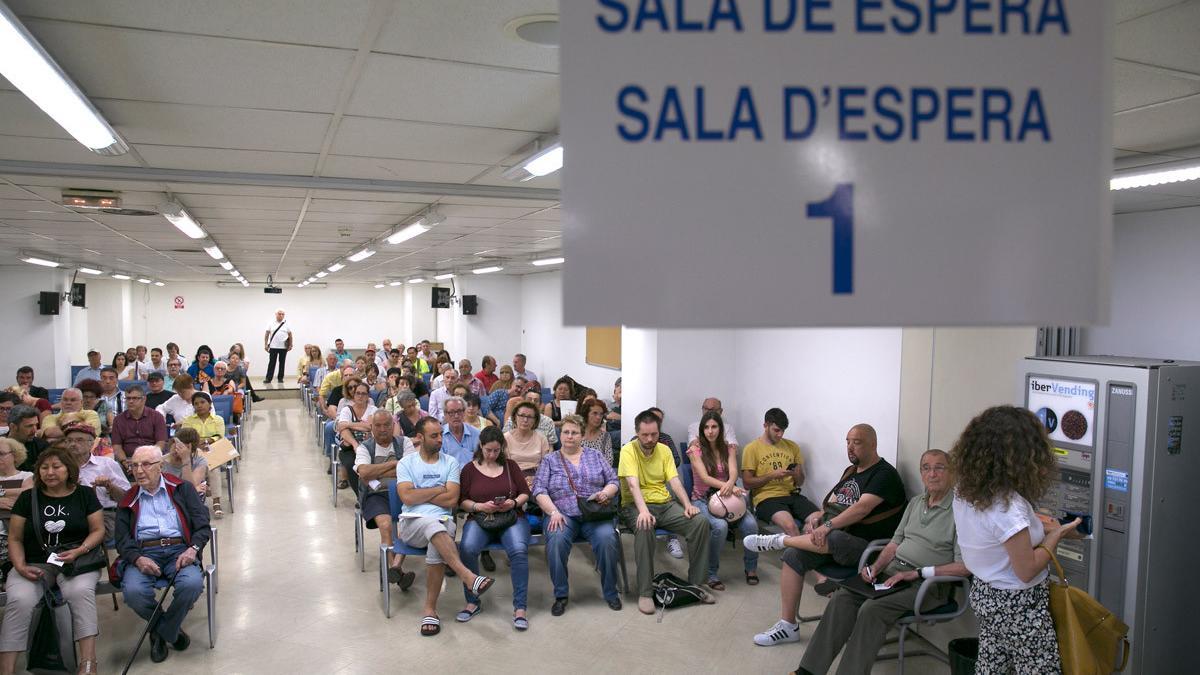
point(379, 285)
point(122, 277)
point(311, 279)
point(180, 218)
point(159, 284)
point(486, 270)
point(91, 271)
point(406, 233)
point(144, 280)
point(361, 255)
point(417, 280)
point(549, 261)
point(545, 161)
point(40, 261)
point(227, 265)
point(443, 277)
point(336, 266)
point(245, 283)
point(234, 273)
point(26, 64)
point(1141, 179)
point(300, 285)
point(395, 283)
point(214, 252)
point(322, 275)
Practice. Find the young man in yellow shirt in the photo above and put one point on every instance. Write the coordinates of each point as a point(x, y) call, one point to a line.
point(773, 470)
point(653, 497)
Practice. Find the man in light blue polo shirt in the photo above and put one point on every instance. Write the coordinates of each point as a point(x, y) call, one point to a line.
point(92, 372)
point(459, 439)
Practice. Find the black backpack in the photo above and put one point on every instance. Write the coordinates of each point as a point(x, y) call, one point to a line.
point(671, 592)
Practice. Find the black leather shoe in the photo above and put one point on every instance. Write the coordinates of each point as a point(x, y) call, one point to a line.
point(560, 606)
point(182, 642)
point(485, 559)
point(158, 648)
point(615, 604)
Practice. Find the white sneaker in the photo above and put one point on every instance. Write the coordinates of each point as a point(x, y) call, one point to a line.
point(764, 542)
point(781, 632)
point(674, 548)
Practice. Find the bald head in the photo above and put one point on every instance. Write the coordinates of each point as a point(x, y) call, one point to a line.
point(862, 446)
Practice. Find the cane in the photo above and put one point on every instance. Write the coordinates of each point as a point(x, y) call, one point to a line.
point(150, 622)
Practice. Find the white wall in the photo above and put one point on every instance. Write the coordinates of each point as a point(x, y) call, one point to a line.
point(220, 317)
point(108, 323)
point(42, 342)
point(495, 330)
point(1155, 286)
point(554, 350)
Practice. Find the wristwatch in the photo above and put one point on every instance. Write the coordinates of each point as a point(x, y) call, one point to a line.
point(195, 548)
point(829, 524)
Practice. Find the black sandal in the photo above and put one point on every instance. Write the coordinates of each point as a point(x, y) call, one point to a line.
point(430, 626)
point(752, 578)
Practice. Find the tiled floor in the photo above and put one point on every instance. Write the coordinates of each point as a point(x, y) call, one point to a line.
point(293, 601)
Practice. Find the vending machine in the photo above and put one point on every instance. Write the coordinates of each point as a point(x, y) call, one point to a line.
point(1126, 433)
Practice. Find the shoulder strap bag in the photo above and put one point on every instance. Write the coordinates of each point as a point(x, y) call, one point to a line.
point(275, 332)
point(1091, 640)
point(495, 523)
point(92, 560)
point(589, 511)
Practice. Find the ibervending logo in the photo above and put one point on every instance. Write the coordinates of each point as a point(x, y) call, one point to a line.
point(1063, 389)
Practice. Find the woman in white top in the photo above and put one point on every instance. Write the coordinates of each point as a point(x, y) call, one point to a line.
point(179, 406)
point(12, 484)
point(353, 427)
point(1003, 464)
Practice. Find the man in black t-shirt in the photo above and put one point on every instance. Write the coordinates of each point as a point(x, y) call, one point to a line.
point(866, 503)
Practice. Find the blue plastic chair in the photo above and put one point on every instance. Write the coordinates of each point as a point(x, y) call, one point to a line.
point(398, 547)
point(126, 384)
point(75, 372)
point(424, 403)
point(54, 395)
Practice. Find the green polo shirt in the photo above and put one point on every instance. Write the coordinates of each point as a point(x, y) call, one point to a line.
point(926, 535)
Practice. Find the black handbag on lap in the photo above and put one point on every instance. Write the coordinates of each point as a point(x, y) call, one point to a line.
point(495, 523)
point(589, 511)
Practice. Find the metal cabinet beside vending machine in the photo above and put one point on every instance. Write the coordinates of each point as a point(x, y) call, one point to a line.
point(1125, 432)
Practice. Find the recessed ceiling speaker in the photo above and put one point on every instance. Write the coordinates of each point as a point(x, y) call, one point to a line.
point(536, 29)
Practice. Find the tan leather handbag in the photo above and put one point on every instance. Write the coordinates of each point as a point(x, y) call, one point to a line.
point(1089, 636)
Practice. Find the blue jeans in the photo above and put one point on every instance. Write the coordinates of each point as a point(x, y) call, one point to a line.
point(516, 546)
point(138, 589)
point(603, 538)
point(720, 528)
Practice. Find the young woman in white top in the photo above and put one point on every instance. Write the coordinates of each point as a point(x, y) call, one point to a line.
point(1003, 464)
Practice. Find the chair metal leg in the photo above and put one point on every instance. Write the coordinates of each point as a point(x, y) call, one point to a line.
point(900, 648)
point(360, 542)
point(333, 471)
point(384, 585)
point(216, 561)
point(210, 597)
point(621, 562)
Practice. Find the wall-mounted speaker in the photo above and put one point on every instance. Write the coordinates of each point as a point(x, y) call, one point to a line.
point(48, 302)
point(470, 304)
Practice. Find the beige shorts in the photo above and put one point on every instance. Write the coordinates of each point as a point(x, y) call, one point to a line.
point(418, 532)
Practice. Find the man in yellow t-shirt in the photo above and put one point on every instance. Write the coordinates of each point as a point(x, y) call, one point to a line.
point(773, 469)
point(648, 483)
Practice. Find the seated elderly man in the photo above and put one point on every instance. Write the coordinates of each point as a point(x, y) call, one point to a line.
point(437, 399)
point(428, 484)
point(161, 528)
point(103, 474)
point(925, 545)
point(71, 402)
point(375, 462)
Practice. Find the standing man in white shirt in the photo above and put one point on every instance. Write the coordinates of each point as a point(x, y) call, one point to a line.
point(277, 342)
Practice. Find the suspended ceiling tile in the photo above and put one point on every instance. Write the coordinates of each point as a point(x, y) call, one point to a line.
point(398, 169)
point(209, 159)
point(210, 126)
point(374, 137)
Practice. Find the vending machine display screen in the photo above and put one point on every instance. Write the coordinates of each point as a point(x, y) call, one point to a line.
point(1066, 407)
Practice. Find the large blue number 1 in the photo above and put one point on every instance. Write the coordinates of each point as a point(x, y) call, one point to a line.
point(840, 207)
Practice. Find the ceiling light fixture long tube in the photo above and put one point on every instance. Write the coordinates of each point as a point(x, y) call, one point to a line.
point(180, 218)
point(1143, 178)
point(25, 63)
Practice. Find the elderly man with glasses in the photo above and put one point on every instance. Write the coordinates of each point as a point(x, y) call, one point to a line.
point(161, 528)
point(71, 408)
point(100, 473)
point(137, 425)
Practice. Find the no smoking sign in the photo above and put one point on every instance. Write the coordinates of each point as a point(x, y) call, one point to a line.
point(179, 302)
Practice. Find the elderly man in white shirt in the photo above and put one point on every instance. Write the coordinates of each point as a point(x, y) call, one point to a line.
point(101, 473)
point(437, 399)
point(375, 462)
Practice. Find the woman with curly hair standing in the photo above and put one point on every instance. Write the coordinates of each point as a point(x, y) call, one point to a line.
point(1003, 463)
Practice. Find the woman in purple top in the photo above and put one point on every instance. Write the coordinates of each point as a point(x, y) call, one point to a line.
point(594, 479)
point(714, 470)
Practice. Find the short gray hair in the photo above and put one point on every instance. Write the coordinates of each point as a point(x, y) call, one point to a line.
point(455, 399)
point(383, 412)
point(405, 396)
point(76, 390)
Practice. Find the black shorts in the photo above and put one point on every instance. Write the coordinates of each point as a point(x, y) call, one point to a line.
point(375, 504)
point(796, 504)
point(844, 550)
